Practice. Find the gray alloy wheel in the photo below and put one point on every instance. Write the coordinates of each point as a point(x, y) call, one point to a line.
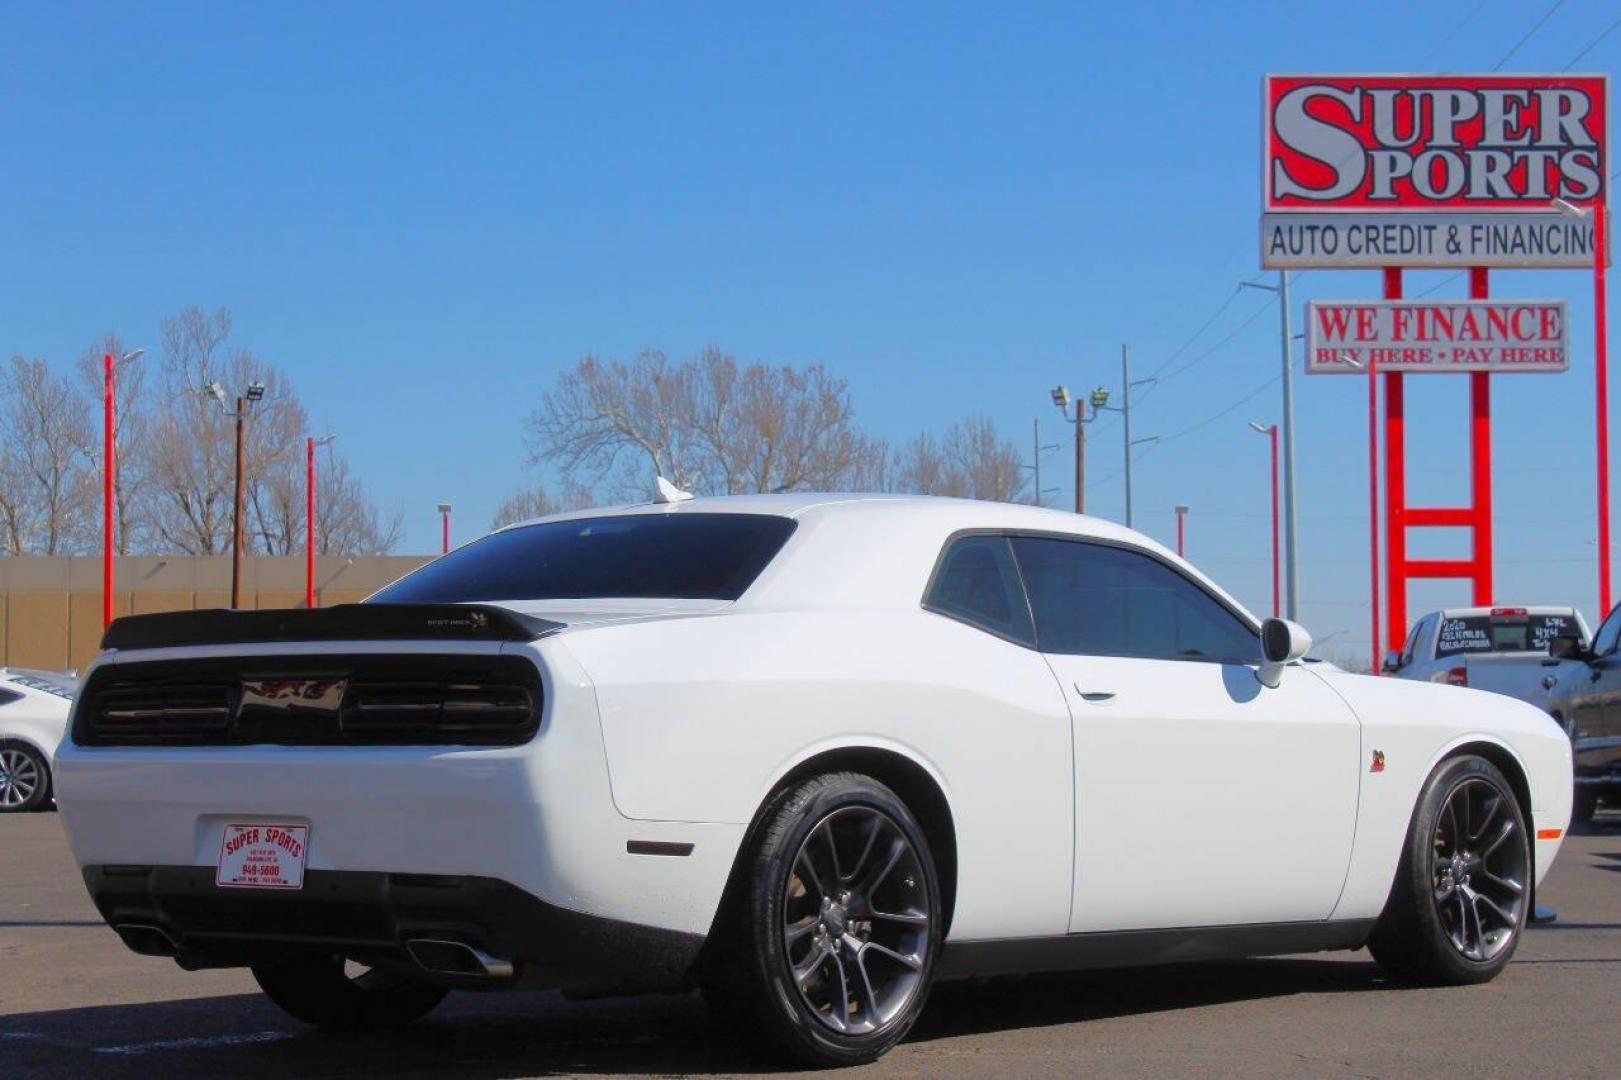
point(1479, 867)
point(856, 921)
point(24, 780)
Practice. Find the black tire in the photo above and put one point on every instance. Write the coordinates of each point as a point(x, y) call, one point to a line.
point(878, 927)
point(1583, 806)
point(1434, 929)
point(316, 990)
point(25, 778)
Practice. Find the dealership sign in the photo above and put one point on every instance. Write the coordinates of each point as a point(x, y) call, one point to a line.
point(1468, 164)
point(1356, 336)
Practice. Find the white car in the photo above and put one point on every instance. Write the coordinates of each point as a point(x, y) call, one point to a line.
point(33, 717)
point(808, 752)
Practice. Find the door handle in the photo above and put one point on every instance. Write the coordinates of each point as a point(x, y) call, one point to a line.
point(1094, 696)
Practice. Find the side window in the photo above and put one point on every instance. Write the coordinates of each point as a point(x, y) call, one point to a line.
point(7, 697)
point(1420, 633)
point(978, 583)
point(1097, 600)
point(1605, 641)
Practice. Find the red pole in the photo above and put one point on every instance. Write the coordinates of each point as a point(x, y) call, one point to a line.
point(1601, 377)
point(309, 521)
point(1392, 281)
point(1272, 435)
point(444, 521)
point(109, 465)
point(1480, 453)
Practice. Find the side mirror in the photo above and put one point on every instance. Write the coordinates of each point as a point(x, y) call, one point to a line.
point(1392, 661)
point(1566, 647)
point(1281, 643)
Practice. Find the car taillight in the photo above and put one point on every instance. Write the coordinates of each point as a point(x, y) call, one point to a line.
point(1508, 612)
point(1458, 676)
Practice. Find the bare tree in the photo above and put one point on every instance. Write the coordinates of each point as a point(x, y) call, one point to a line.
point(971, 461)
point(527, 503)
point(346, 520)
point(47, 478)
point(706, 424)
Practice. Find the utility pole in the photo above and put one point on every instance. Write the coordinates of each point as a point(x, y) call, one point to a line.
point(1038, 449)
point(1125, 415)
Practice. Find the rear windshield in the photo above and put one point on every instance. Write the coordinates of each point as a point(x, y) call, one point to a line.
point(1502, 633)
point(661, 556)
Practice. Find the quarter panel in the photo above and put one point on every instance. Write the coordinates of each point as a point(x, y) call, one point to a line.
point(703, 717)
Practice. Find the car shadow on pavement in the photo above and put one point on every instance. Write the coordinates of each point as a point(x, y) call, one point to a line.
point(521, 1034)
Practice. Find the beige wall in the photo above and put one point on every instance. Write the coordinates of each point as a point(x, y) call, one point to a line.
point(50, 606)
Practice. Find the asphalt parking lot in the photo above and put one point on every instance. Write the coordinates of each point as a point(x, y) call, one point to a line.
point(73, 1002)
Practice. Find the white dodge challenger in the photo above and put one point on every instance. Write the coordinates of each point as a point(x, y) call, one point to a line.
point(809, 753)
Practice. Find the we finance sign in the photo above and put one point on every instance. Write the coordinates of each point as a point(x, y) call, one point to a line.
point(1354, 337)
point(1431, 170)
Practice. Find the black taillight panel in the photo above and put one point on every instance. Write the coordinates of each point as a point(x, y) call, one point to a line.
point(386, 699)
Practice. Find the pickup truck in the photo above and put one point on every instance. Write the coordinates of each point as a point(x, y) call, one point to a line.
point(1501, 649)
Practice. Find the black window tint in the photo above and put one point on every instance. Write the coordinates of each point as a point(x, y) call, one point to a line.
point(1605, 641)
point(1097, 600)
point(690, 556)
point(7, 697)
point(978, 583)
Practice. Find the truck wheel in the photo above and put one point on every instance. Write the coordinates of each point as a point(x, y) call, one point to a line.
point(1583, 806)
point(316, 990)
point(25, 779)
point(1459, 902)
point(828, 941)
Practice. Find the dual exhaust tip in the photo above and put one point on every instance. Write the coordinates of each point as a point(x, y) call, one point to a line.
point(435, 956)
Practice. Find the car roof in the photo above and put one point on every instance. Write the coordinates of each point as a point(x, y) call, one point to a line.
point(879, 550)
point(1529, 609)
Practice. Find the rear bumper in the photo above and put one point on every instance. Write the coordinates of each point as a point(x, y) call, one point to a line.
point(395, 920)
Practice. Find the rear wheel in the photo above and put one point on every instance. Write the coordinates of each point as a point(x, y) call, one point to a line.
point(318, 990)
point(25, 779)
point(826, 950)
point(1460, 900)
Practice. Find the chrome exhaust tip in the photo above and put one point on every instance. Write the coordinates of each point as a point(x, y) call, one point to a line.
point(147, 940)
point(457, 958)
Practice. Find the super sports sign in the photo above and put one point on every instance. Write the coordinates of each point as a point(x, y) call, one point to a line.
point(1431, 170)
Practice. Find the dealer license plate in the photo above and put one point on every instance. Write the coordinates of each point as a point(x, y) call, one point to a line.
point(263, 856)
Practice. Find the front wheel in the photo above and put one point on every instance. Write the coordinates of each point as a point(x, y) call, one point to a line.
point(827, 947)
point(318, 990)
point(1460, 899)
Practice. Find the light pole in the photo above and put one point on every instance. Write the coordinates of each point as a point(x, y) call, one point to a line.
point(1271, 432)
point(1290, 520)
point(1601, 376)
point(1181, 530)
point(254, 393)
point(444, 528)
point(109, 474)
point(1099, 399)
point(310, 443)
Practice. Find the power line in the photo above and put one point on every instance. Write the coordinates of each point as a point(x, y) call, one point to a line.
point(1529, 34)
point(1590, 45)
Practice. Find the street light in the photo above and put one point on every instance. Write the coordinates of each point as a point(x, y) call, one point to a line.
point(1601, 378)
point(1271, 432)
point(254, 392)
point(1098, 398)
point(444, 528)
point(310, 443)
point(109, 473)
point(1291, 513)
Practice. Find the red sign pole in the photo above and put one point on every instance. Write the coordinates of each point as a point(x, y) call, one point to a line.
point(1601, 376)
point(1480, 453)
point(109, 465)
point(309, 521)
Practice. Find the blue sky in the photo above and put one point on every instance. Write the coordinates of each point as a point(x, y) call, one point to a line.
point(423, 213)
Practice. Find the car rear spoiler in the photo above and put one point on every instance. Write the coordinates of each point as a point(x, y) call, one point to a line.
point(343, 622)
